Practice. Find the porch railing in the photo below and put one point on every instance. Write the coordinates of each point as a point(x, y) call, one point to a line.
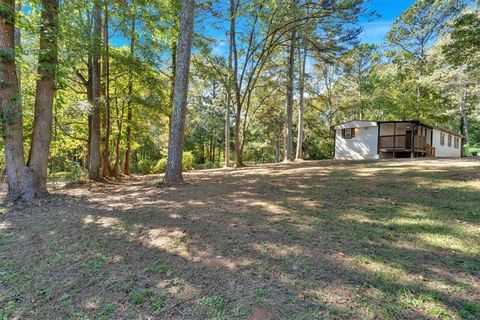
point(402, 141)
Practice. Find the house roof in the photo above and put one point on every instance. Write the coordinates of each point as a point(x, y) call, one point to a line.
point(356, 124)
point(362, 124)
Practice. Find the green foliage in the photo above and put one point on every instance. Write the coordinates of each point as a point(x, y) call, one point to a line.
point(140, 296)
point(159, 304)
point(161, 268)
point(208, 165)
point(464, 47)
point(108, 309)
point(75, 172)
point(161, 166)
point(188, 161)
point(145, 166)
point(433, 58)
point(469, 311)
point(217, 306)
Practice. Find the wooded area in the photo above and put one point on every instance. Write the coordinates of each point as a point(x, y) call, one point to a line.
point(301, 111)
point(108, 88)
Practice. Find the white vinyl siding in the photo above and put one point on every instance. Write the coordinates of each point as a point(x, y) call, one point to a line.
point(444, 147)
point(362, 146)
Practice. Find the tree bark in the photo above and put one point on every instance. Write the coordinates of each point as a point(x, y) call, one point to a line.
point(463, 115)
point(301, 89)
point(238, 98)
point(126, 169)
point(287, 127)
point(18, 46)
point(115, 171)
point(94, 161)
point(45, 92)
point(173, 174)
point(106, 125)
point(229, 102)
point(12, 119)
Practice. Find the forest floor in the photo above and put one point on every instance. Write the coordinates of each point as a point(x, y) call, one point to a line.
point(308, 240)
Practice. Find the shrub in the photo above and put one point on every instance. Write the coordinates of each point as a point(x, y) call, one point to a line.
point(472, 148)
point(161, 166)
point(208, 165)
point(75, 172)
point(188, 161)
point(145, 166)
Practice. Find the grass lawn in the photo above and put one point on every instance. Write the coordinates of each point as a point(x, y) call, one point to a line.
point(310, 240)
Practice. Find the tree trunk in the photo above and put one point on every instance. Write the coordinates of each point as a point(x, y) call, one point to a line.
point(300, 137)
point(213, 151)
point(417, 101)
point(94, 161)
point(88, 86)
point(238, 102)
point(120, 116)
point(173, 174)
point(172, 80)
point(126, 169)
point(106, 168)
point(227, 130)
point(228, 107)
point(45, 92)
point(277, 145)
point(12, 119)
point(18, 46)
point(287, 127)
point(463, 115)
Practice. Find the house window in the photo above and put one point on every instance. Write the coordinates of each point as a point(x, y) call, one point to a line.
point(449, 140)
point(442, 138)
point(456, 142)
point(348, 133)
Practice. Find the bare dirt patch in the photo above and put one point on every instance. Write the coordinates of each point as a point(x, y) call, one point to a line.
point(309, 240)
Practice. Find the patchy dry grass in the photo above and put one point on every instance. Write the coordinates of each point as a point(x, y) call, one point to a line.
point(310, 240)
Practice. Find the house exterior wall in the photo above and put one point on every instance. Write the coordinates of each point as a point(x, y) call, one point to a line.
point(363, 146)
point(445, 151)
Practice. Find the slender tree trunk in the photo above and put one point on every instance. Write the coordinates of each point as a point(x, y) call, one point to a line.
point(106, 125)
point(88, 86)
point(277, 146)
point(238, 100)
point(120, 116)
point(227, 130)
point(463, 115)
point(94, 161)
point(213, 151)
point(126, 169)
point(228, 107)
point(12, 119)
point(417, 101)
point(18, 45)
point(45, 92)
point(173, 49)
point(287, 127)
point(300, 137)
point(173, 174)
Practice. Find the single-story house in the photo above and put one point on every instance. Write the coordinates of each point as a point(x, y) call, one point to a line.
point(394, 139)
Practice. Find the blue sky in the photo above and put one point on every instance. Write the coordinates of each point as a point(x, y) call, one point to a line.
point(375, 31)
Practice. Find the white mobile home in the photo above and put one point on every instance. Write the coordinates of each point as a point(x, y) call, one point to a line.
point(394, 139)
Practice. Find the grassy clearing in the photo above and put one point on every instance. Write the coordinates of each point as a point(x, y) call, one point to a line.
point(387, 240)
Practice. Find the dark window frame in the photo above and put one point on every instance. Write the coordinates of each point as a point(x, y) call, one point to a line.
point(351, 131)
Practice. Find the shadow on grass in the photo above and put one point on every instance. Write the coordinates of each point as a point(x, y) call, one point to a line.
point(310, 240)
